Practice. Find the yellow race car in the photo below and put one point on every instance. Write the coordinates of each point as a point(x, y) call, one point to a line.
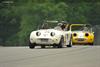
point(82, 34)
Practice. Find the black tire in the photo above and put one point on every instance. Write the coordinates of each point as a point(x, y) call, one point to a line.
point(54, 46)
point(31, 46)
point(60, 45)
point(42, 46)
point(70, 43)
point(91, 43)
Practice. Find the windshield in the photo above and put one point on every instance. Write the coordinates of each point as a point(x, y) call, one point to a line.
point(52, 25)
point(80, 28)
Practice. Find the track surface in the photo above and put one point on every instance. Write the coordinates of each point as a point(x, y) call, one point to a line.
point(77, 56)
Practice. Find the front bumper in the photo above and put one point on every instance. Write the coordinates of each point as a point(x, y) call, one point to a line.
point(82, 40)
point(45, 41)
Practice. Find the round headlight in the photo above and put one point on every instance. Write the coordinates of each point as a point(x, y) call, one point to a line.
point(38, 33)
point(86, 34)
point(75, 34)
point(52, 34)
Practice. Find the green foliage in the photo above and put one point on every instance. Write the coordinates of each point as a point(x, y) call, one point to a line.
point(20, 18)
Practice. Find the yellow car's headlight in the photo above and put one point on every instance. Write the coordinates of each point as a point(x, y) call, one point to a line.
point(86, 34)
point(74, 34)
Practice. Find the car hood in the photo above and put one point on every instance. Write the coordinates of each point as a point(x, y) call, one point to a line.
point(45, 33)
point(48, 31)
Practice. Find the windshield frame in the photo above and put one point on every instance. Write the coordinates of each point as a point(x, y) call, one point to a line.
point(89, 28)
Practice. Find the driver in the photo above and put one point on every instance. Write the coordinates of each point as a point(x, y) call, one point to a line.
point(45, 26)
point(85, 29)
point(59, 26)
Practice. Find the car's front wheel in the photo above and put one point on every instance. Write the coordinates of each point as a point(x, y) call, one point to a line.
point(31, 46)
point(54, 46)
point(91, 43)
point(42, 46)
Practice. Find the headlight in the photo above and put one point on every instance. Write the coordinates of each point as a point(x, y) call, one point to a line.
point(38, 33)
point(74, 34)
point(86, 34)
point(52, 34)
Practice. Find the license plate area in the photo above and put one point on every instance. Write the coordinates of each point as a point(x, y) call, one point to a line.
point(80, 39)
point(44, 40)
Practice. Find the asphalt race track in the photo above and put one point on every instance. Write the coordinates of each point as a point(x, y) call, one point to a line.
point(77, 56)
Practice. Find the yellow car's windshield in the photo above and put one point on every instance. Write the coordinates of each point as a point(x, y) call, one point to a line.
point(77, 28)
point(80, 28)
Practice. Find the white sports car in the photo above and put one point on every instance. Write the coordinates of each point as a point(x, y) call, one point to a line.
point(55, 37)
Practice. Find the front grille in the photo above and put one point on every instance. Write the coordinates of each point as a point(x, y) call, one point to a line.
point(80, 39)
point(43, 40)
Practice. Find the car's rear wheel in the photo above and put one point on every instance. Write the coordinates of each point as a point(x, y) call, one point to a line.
point(61, 43)
point(70, 43)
